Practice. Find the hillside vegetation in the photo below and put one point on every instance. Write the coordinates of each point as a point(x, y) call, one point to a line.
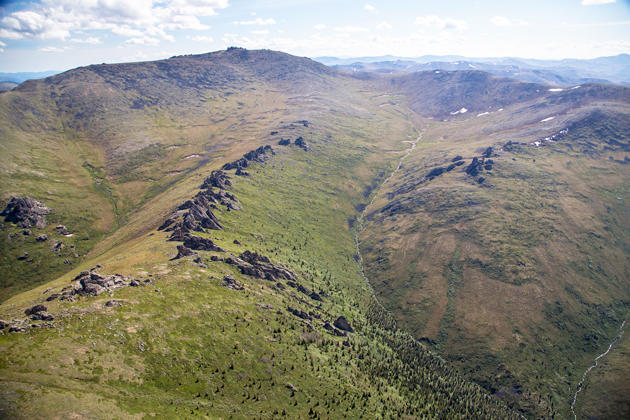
point(201, 253)
point(196, 336)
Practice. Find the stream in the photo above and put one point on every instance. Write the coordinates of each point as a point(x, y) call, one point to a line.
point(610, 346)
point(412, 145)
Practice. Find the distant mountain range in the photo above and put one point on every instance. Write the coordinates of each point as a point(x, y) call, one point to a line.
point(615, 69)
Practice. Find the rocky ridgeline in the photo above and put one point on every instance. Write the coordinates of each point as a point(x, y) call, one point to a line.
point(26, 212)
point(197, 215)
point(259, 155)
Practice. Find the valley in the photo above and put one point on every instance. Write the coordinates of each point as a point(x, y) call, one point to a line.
point(250, 234)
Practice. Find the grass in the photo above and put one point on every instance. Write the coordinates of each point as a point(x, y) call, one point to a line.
point(519, 280)
point(184, 346)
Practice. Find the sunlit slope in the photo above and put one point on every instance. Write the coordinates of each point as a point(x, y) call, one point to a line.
point(183, 344)
point(97, 143)
point(518, 274)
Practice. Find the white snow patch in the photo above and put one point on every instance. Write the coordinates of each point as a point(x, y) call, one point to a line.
point(555, 90)
point(69, 235)
point(437, 71)
point(500, 109)
point(547, 119)
point(575, 87)
point(482, 114)
point(461, 111)
point(192, 156)
point(537, 143)
point(471, 66)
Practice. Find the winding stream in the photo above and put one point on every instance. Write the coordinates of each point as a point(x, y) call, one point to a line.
point(412, 145)
point(610, 346)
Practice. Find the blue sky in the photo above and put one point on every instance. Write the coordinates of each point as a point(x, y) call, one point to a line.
point(62, 34)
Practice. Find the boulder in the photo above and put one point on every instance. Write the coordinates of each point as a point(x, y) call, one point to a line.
point(343, 324)
point(300, 142)
point(42, 316)
point(201, 244)
point(183, 251)
point(35, 309)
point(26, 232)
point(435, 172)
point(231, 283)
point(42, 238)
point(284, 142)
point(26, 212)
point(456, 158)
point(61, 229)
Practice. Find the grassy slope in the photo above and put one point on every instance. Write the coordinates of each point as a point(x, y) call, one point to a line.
point(519, 281)
point(185, 346)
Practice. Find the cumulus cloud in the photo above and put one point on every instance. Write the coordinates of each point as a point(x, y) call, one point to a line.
point(145, 40)
point(89, 40)
point(52, 49)
point(350, 29)
point(201, 38)
point(384, 26)
point(257, 21)
point(433, 21)
point(596, 2)
point(370, 8)
point(320, 26)
point(506, 22)
point(262, 32)
point(144, 21)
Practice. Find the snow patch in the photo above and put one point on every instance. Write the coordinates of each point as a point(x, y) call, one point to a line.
point(575, 87)
point(547, 119)
point(555, 90)
point(500, 109)
point(192, 156)
point(461, 111)
point(482, 114)
point(437, 71)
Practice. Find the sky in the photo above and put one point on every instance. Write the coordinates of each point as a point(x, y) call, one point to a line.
point(63, 34)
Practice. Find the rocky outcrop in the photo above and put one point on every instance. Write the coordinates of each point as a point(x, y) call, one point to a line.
point(92, 283)
point(183, 251)
point(260, 155)
point(26, 212)
point(198, 243)
point(217, 179)
point(259, 266)
point(231, 283)
point(300, 142)
point(284, 142)
point(435, 172)
point(197, 214)
point(475, 167)
point(42, 238)
point(343, 324)
point(62, 230)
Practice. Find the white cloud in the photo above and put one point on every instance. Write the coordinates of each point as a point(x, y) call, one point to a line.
point(370, 8)
point(350, 29)
point(2, 44)
point(320, 26)
point(433, 21)
point(263, 32)
point(384, 26)
point(596, 2)
point(201, 38)
point(137, 19)
point(52, 49)
point(90, 40)
point(257, 21)
point(506, 22)
point(145, 40)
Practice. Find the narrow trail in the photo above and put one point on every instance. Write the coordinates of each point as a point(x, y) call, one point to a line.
point(594, 365)
point(412, 145)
